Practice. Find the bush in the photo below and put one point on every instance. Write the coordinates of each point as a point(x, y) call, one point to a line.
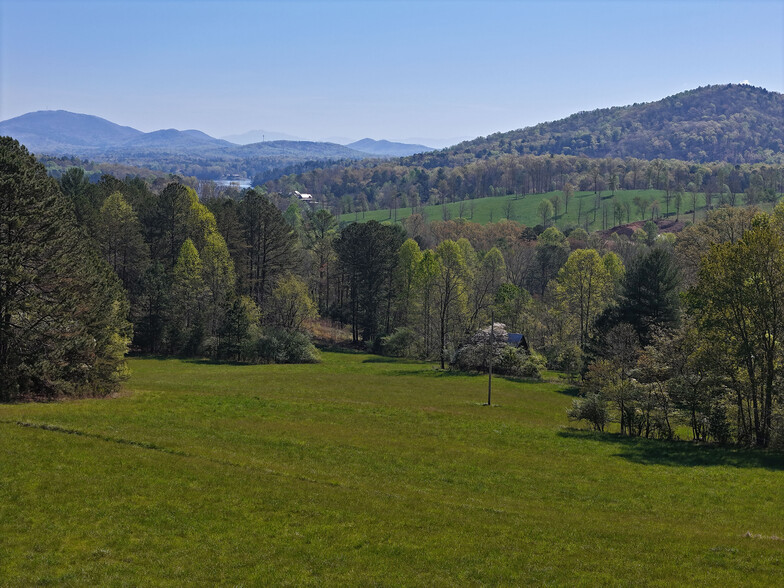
point(399, 343)
point(592, 408)
point(534, 365)
point(268, 348)
point(281, 346)
point(509, 362)
point(519, 363)
point(718, 423)
point(777, 428)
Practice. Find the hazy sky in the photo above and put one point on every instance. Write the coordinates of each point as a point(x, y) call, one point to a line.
point(383, 69)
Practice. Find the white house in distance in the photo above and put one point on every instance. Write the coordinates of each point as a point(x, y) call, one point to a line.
point(303, 197)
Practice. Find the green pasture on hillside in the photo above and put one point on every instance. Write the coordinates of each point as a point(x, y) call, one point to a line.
point(363, 471)
point(524, 209)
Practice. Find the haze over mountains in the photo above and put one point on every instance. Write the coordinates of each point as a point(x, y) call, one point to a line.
point(734, 122)
point(59, 132)
point(380, 147)
point(385, 148)
point(260, 135)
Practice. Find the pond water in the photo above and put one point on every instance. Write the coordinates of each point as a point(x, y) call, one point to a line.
point(239, 184)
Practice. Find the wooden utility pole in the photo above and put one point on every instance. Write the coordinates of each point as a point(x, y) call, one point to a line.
point(490, 362)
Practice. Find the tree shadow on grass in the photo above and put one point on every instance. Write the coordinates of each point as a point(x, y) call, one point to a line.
point(208, 361)
point(572, 391)
point(428, 369)
point(384, 359)
point(196, 360)
point(338, 348)
point(681, 453)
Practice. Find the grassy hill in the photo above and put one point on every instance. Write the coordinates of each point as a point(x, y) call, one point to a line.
point(364, 470)
point(524, 209)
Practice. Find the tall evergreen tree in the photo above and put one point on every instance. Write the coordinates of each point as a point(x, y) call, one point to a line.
point(320, 233)
point(75, 186)
point(368, 253)
point(650, 293)
point(63, 325)
point(153, 308)
point(271, 245)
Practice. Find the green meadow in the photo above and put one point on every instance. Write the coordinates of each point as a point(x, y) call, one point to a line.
point(524, 209)
point(367, 471)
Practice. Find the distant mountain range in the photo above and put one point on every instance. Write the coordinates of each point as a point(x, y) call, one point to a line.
point(66, 133)
point(60, 132)
point(259, 136)
point(387, 148)
point(380, 148)
point(736, 123)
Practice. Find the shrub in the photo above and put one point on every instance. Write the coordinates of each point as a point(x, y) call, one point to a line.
point(519, 363)
point(777, 428)
point(592, 408)
point(535, 364)
point(268, 348)
point(718, 423)
point(509, 362)
point(282, 346)
point(399, 343)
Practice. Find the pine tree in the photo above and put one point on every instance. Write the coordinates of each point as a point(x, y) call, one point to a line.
point(271, 245)
point(237, 329)
point(63, 325)
point(650, 298)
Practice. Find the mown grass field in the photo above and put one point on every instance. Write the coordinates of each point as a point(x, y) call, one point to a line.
point(361, 471)
point(525, 209)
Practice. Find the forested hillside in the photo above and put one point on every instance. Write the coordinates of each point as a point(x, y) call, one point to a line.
point(735, 123)
point(371, 185)
point(713, 140)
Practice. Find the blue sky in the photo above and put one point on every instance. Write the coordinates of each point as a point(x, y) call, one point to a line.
point(384, 69)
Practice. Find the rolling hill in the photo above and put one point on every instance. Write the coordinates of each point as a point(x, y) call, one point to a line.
point(57, 132)
point(736, 123)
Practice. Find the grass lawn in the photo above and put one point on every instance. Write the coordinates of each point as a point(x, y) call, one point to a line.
point(524, 209)
point(365, 470)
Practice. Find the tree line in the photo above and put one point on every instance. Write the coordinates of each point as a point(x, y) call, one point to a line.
point(461, 176)
point(695, 340)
